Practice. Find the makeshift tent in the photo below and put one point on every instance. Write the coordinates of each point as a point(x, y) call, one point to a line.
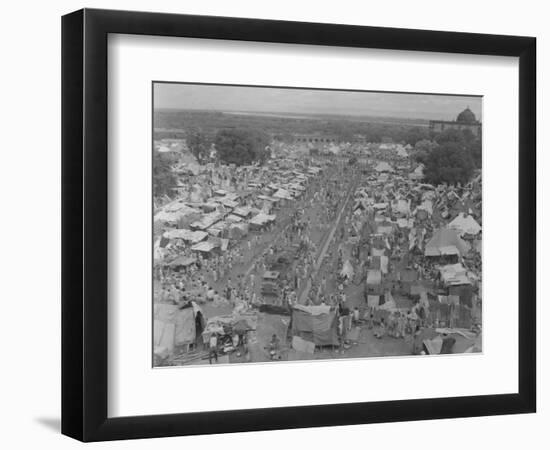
point(446, 242)
point(454, 274)
point(401, 207)
point(207, 220)
point(321, 329)
point(401, 151)
point(283, 193)
point(418, 173)
point(301, 345)
point(174, 325)
point(204, 247)
point(465, 224)
point(242, 211)
point(426, 206)
point(183, 261)
point(347, 270)
point(232, 218)
point(228, 202)
point(374, 282)
point(238, 230)
point(405, 223)
point(383, 166)
point(186, 235)
point(262, 219)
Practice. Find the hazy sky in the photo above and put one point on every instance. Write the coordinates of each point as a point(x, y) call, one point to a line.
point(306, 101)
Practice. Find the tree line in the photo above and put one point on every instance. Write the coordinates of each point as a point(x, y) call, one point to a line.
point(451, 157)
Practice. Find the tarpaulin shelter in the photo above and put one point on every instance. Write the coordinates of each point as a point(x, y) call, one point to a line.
point(401, 206)
point(321, 329)
point(174, 325)
point(418, 173)
point(242, 211)
point(383, 166)
point(261, 220)
point(347, 270)
point(455, 279)
point(187, 235)
point(374, 282)
point(465, 224)
point(183, 261)
point(446, 242)
point(204, 247)
point(283, 194)
point(207, 220)
point(238, 230)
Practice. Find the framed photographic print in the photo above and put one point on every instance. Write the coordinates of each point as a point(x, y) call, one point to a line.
point(273, 224)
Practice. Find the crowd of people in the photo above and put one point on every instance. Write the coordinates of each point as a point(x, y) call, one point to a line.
point(334, 225)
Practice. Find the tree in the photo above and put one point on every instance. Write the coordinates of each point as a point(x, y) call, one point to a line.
point(450, 135)
point(198, 145)
point(163, 177)
point(422, 150)
point(449, 163)
point(415, 135)
point(241, 146)
point(466, 139)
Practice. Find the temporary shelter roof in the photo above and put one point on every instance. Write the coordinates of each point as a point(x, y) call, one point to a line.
point(206, 247)
point(187, 235)
point(321, 329)
point(347, 270)
point(283, 193)
point(442, 241)
point(454, 275)
point(179, 205)
point(383, 166)
point(183, 261)
point(401, 206)
point(262, 219)
point(374, 276)
point(232, 218)
point(465, 224)
point(165, 216)
point(401, 151)
point(207, 220)
point(242, 211)
point(228, 202)
point(314, 310)
point(426, 205)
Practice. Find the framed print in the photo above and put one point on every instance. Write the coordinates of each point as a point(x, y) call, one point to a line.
point(273, 225)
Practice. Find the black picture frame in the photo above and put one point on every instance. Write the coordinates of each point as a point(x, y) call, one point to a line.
point(84, 224)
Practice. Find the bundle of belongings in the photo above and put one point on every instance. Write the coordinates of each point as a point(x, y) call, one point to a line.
point(229, 326)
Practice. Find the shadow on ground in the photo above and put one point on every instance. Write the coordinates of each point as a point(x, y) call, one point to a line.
point(52, 423)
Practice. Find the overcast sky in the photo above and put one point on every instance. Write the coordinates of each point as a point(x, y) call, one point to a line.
point(307, 101)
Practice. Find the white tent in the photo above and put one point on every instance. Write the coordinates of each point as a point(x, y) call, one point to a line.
point(282, 193)
point(383, 167)
point(465, 224)
point(401, 151)
point(401, 206)
point(446, 242)
point(262, 219)
point(347, 270)
point(186, 235)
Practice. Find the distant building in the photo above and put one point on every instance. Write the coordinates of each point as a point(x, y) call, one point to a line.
point(466, 120)
point(316, 138)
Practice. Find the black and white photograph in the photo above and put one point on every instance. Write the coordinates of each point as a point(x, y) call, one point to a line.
point(294, 224)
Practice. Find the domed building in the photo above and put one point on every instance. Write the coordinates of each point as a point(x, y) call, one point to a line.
point(466, 116)
point(466, 120)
